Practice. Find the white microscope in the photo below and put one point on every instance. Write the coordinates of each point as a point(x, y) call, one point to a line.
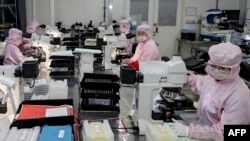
point(210, 28)
point(156, 75)
point(113, 42)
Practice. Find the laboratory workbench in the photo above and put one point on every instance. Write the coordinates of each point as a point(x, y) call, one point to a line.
point(119, 121)
point(121, 125)
point(193, 47)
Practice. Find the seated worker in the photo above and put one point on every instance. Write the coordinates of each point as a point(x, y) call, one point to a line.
point(224, 96)
point(146, 49)
point(12, 53)
point(125, 28)
point(30, 29)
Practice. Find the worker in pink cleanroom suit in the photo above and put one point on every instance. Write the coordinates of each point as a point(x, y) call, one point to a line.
point(224, 98)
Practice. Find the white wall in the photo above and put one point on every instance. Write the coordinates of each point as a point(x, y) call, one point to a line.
point(71, 11)
point(120, 8)
point(201, 6)
point(29, 11)
point(248, 4)
point(228, 4)
point(242, 4)
point(42, 11)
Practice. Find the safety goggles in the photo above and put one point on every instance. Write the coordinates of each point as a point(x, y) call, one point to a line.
point(220, 67)
point(141, 33)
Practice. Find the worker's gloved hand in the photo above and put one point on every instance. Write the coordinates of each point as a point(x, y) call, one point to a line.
point(190, 72)
point(125, 61)
point(179, 128)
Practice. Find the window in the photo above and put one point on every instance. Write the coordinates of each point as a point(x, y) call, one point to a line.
point(167, 12)
point(139, 7)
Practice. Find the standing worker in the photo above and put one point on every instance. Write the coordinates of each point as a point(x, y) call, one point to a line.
point(224, 96)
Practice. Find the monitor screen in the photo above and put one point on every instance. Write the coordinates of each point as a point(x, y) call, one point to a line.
point(232, 15)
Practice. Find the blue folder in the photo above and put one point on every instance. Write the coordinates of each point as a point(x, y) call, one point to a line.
point(56, 133)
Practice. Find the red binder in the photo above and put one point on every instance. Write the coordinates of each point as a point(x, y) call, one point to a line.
point(29, 111)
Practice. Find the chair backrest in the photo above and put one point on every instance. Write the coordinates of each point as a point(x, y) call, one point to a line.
point(134, 47)
point(165, 58)
point(1, 59)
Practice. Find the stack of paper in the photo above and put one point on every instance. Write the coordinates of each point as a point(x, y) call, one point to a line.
point(55, 112)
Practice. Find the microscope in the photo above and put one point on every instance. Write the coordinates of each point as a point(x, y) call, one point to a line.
point(214, 26)
point(153, 76)
point(114, 44)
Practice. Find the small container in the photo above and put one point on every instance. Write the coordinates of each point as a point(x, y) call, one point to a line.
point(188, 34)
point(58, 89)
point(160, 132)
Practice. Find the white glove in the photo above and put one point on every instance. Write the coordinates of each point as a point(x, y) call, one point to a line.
point(179, 128)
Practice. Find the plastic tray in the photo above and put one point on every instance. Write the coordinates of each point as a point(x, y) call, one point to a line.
point(100, 97)
point(100, 92)
point(87, 107)
point(60, 73)
point(29, 123)
point(99, 78)
point(100, 88)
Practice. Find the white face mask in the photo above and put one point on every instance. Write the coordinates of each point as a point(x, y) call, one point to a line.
point(141, 38)
point(219, 74)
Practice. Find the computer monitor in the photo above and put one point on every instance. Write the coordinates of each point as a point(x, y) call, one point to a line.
point(232, 15)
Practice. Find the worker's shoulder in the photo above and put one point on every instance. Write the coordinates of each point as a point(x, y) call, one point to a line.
point(150, 43)
point(240, 90)
point(10, 46)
